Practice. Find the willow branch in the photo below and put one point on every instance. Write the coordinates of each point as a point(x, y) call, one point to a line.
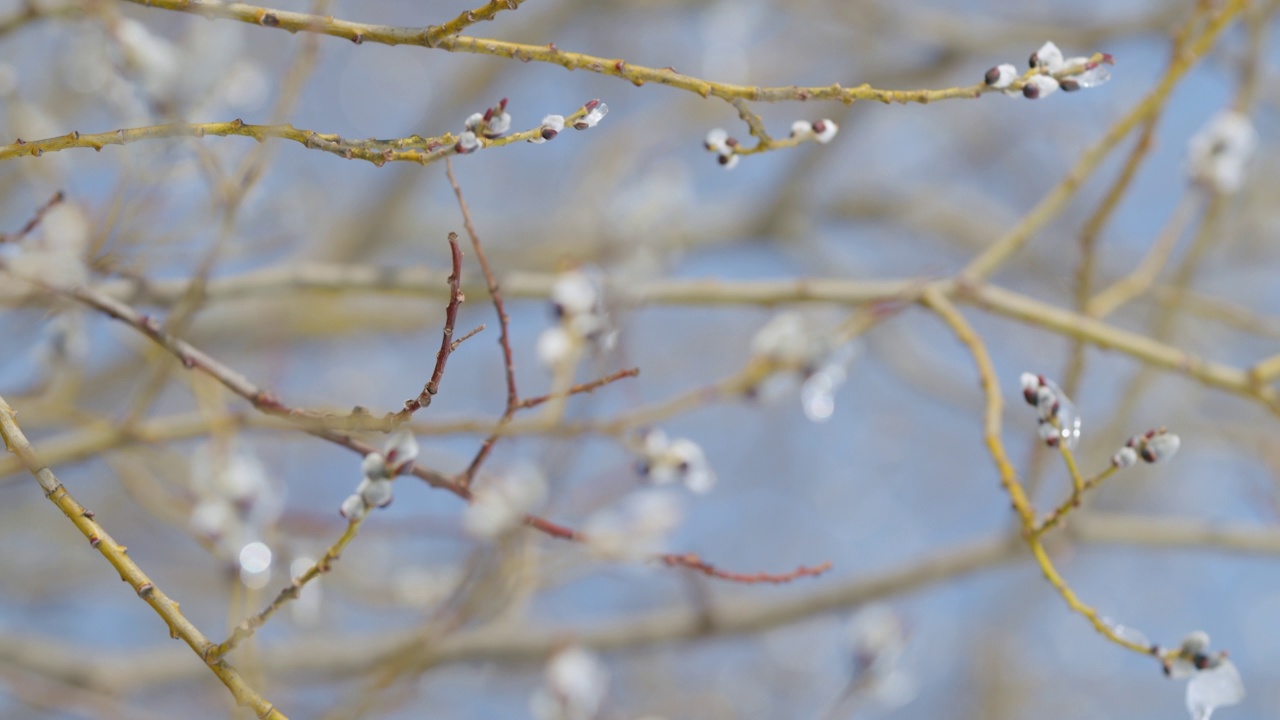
point(413, 149)
point(342, 657)
point(292, 591)
point(433, 37)
point(116, 555)
point(1001, 301)
point(1052, 204)
point(193, 358)
point(1008, 476)
point(432, 387)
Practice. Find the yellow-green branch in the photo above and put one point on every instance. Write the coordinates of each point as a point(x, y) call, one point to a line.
point(249, 626)
point(116, 554)
point(1048, 208)
point(945, 309)
point(438, 37)
point(415, 149)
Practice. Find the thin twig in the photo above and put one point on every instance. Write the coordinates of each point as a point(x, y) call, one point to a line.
point(116, 554)
point(1055, 518)
point(249, 626)
point(993, 257)
point(470, 17)
point(470, 334)
point(429, 390)
point(195, 359)
point(504, 339)
point(34, 222)
point(585, 387)
point(432, 37)
point(495, 291)
point(693, 562)
point(1008, 476)
point(415, 149)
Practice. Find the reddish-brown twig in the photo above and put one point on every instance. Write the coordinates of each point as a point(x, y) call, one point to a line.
point(193, 358)
point(504, 338)
point(474, 332)
point(693, 562)
point(35, 219)
point(585, 387)
point(429, 390)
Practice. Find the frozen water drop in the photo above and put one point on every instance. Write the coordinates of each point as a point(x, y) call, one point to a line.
point(1093, 77)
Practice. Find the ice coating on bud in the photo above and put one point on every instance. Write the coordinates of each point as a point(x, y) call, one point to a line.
point(502, 501)
point(637, 528)
point(1125, 632)
point(1001, 76)
point(1217, 685)
point(374, 465)
point(665, 460)
point(1030, 386)
point(1093, 77)
point(353, 508)
point(1124, 457)
point(1214, 680)
point(555, 346)
point(574, 293)
point(553, 122)
point(474, 122)
point(786, 340)
point(715, 140)
point(574, 687)
point(1195, 643)
point(729, 162)
point(551, 126)
point(877, 637)
point(788, 343)
point(578, 301)
point(1039, 86)
point(1046, 400)
point(1218, 153)
point(467, 142)
point(801, 129)
point(212, 519)
point(498, 125)
point(817, 394)
point(1162, 447)
point(825, 130)
point(400, 451)
point(1048, 57)
point(1059, 421)
point(236, 475)
point(375, 492)
point(1155, 445)
point(593, 117)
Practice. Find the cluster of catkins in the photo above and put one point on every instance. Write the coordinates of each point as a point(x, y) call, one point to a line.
point(1050, 72)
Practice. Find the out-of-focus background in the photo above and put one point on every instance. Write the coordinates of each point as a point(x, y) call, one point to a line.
point(894, 486)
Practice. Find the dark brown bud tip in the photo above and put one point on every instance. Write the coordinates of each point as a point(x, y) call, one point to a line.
point(1070, 85)
point(548, 133)
point(1030, 92)
point(992, 76)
